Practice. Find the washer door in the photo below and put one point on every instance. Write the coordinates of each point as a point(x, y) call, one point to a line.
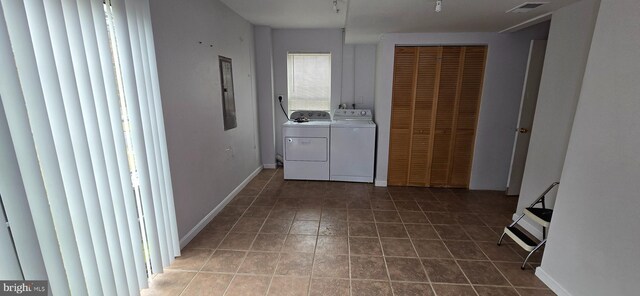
point(306, 149)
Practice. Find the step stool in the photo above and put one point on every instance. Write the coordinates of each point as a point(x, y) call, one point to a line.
point(541, 216)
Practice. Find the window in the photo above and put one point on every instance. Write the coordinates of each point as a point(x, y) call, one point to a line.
point(309, 81)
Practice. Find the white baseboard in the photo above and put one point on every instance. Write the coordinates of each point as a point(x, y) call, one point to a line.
point(529, 226)
point(551, 283)
point(269, 165)
point(195, 230)
point(380, 183)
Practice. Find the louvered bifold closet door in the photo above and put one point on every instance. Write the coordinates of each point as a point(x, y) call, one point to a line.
point(404, 78)
point(448, 91)
point(435, 103)
point(426, 89)
point(467, 116)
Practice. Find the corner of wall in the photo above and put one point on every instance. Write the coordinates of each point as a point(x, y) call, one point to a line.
point(381, 183)
point(198, 227)
point(551, 283)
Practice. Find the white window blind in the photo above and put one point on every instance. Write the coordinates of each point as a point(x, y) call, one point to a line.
point(309, 81)
point(80, 118)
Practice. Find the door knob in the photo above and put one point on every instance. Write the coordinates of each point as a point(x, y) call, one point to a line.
point(523, 130)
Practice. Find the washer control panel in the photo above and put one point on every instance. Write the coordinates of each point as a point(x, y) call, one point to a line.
point(352, 114)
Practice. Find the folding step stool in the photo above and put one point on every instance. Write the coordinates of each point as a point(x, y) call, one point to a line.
point(541, 216)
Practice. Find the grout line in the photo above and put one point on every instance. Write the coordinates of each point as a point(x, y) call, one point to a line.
point(496, 267)
point(313, 260)
point(349, 248)
point(185, 287)
point(250, 245)
point(386, 267)
point(457, 264)
point(274, 271)
point(424, 269)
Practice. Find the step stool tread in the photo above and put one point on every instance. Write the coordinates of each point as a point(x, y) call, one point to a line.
point(525, 241)
point(544, 214)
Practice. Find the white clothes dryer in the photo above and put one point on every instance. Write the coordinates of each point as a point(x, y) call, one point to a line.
point(306, 145)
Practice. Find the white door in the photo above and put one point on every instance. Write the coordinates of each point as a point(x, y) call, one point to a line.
point(527, 111)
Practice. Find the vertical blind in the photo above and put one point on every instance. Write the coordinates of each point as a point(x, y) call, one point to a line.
point(84, 171)
point(309, 81)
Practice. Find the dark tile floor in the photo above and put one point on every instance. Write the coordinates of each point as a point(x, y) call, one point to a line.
point(327, 238)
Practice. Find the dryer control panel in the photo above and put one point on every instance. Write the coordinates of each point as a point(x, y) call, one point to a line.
point(310, 115)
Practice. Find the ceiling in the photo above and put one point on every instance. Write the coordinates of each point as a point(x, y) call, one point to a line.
point(291, 14)
point(365, 20)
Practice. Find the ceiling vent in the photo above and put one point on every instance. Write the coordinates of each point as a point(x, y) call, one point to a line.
point(526, 7)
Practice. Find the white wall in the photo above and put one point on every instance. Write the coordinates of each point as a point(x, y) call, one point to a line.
point(565, 60)
point(203, 172)
point(594, 244)
point(504, 77)
point(358, 75)
point(265, 96)
point(364, 82)
point(348, 74)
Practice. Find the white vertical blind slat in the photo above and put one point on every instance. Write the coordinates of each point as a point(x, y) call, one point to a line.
point(125, 52)
point(25, 108)
point(15, 203)
point(85, 130)
point(113, 106)
point(97, 80)
point(161, 131)
point(133, 19)
point(159, 198)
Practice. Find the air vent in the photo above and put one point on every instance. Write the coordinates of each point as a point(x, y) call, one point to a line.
point(526, 7)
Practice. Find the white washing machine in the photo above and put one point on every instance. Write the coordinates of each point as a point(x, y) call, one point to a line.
point(305, 145)
point(353, 140)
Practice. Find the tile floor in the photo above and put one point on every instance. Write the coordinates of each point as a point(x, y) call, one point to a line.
point(319, 238)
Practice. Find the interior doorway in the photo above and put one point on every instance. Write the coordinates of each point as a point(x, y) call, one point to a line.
point(525, 119)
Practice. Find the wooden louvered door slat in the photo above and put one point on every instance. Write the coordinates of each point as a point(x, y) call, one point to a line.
point(450, 69)
point(424, 105)
point(467, 116)
point(454, 126)
point(404, 72)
